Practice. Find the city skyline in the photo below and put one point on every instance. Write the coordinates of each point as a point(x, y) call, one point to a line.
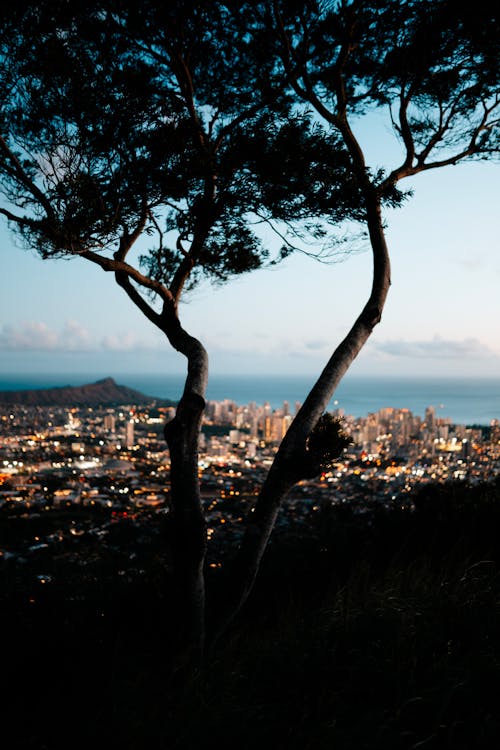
point(440, 318)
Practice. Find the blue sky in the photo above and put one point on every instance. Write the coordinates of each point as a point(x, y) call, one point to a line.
point(441, 317)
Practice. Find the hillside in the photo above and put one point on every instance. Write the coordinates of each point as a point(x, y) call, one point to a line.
point(104, 392)
point(379, 636)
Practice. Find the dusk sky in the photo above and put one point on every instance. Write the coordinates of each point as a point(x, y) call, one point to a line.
point(441, 317)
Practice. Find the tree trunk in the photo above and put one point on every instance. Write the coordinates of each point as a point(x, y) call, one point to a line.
point(286, 468)
point(188, 527)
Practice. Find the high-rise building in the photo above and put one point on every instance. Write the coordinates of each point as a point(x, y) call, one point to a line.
point(129, 434)
point(109, 422)
point(430, 417)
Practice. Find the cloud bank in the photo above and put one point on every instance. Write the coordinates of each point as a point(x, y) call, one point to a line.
point(37, 336)
point(436, 348)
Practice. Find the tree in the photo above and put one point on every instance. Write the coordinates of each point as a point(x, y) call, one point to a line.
point(122, 124)
point(181, 124)
point(435, 70)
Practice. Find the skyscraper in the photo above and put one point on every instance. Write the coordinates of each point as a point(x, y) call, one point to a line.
point(129, 434)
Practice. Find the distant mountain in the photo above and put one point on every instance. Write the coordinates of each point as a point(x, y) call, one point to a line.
point(103, 393)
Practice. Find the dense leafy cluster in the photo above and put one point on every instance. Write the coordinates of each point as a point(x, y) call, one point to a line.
point(326, 443)
point(190, 122)
point(122, 118)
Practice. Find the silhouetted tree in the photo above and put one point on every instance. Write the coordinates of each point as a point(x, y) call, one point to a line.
point(180, 124)
point(434, 69)
point(168, 122)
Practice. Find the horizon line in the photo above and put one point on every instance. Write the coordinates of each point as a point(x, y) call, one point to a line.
point(361, 376)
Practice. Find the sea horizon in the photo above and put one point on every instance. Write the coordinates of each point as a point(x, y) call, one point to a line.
point(464, 400)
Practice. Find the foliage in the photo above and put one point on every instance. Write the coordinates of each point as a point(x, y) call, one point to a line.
point(326, 443)
point(434, 67)
point(118, 120)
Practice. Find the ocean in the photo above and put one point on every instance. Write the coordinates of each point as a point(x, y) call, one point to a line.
point(464, 400)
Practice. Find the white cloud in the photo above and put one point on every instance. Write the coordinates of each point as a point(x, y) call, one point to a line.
point(72, 337)
point(315, 344)
point(131, 342)
point(31, 335)
point(34, 335)
point(435, 348)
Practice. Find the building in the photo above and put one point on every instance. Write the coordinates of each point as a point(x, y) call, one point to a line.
point(129, 434)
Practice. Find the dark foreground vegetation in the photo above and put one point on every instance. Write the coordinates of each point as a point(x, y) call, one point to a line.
point(377, 630)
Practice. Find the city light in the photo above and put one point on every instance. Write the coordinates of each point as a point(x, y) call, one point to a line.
point(393, 453)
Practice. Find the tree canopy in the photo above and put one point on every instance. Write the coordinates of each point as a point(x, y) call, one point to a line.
point(118, 122)
point(434, 66)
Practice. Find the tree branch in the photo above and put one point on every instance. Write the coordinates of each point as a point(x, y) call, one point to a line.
point(406, 133)
point(21, 220)
point(118, 266)
point(283, 473)
point(470, 150)
point(181, 276)
point(237, 121)
point(127, 240)
point(186, 85)
point(18, 172)
point(288, 58)
point(123, 280)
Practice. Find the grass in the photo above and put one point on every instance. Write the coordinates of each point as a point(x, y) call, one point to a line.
point(380, 635)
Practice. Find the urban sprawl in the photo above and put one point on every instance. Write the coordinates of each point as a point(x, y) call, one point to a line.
point(93, 468)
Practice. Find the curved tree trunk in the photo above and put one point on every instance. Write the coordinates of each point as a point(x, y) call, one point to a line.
point(286, 468)
point(188, 527)
point(188, 538)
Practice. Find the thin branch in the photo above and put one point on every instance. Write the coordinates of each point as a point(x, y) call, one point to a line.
point(140, 224)
point(441, 129)
point(180, 277)
point(250, 112)
point(470, 150)
point(445, 124)
point(21, 175)
point(319, 255)
point(338, 120)
point(123, 280)
point(203, 224)
point(118, 266)
point(211, 124)
point(157, 227)
point(171, 205)
point(407, 167)
point(187, 88)
point(128, 240)
point(21, 220)
point(405, 129)
point(288, 58)
point(179, 246)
